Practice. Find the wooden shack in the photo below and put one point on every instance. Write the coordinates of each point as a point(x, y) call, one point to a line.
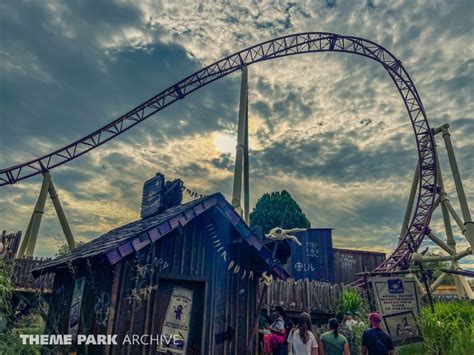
point(349, 262)
point(190, 269)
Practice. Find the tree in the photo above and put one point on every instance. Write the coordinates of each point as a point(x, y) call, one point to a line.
point(278, 209)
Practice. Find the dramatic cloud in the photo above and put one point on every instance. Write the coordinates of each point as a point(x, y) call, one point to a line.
point(329, 128)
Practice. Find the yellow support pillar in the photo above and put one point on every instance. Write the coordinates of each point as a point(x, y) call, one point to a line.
point(60, 213)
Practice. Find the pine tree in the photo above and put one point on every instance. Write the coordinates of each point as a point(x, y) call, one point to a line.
point(278, 209)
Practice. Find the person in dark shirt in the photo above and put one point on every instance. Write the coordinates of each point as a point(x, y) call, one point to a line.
point(374, 340)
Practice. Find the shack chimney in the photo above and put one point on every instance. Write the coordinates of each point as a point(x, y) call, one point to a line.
point(159, 195)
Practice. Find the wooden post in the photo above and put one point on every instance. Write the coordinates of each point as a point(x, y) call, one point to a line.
point(255, 324)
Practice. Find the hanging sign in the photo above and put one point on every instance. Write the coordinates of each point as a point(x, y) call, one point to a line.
point(397, 301)
point(176, 324)
point(75, 310)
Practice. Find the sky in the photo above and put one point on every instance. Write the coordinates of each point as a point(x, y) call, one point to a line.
point(330, 128)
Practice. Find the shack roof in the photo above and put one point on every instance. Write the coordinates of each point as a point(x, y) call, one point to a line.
point(129, 238)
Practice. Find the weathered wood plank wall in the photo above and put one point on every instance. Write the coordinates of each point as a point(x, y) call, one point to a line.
point(304, 295)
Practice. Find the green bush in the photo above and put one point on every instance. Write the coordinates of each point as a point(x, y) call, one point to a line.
point(411, 349)
point(350, 300)
point(10, 342)
point(449, 330)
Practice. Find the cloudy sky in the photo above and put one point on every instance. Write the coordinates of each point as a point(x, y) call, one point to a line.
point(329, 128)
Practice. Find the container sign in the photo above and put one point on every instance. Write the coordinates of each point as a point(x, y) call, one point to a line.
point(178, 317)
point(75, 310)
point(396, 295)
point(314, 259)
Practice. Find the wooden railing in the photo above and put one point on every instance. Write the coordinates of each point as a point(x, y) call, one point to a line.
point(23, 279)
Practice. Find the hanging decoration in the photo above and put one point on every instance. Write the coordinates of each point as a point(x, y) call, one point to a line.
point(189, 195)
point(232, 265)
point(278, 233)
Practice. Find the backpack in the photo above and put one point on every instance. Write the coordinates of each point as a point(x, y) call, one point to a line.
point(380, 346)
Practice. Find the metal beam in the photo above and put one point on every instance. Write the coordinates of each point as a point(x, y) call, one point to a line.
point(26, 237)
point(246, 166)
point(240, 149)
point(441, 244)
point(60, 213)
point(459, 186)
point(455, 216)
point(37, 216)
point(438, 281)
point(411, 200)
point(28, 243)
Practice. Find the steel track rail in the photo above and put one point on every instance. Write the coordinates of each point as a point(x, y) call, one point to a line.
point(301, 43)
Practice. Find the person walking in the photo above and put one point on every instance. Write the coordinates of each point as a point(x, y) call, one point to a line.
point(348, 321)
point(333, 343)
point(301, 341)
point(274, 337)
point(374, 340)
point(358, 320)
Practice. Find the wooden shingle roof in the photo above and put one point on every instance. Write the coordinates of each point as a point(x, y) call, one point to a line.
point(129, 238)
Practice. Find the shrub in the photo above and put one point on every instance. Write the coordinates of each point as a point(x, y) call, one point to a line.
point(5, 294)
point(449, 330)
point(411, 349)
point(350, 300)
point(9, 338)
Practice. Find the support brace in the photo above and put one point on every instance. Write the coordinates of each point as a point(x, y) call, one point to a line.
point(447, 210)
point(241, 168)
point(459, 186)
point(28, 243)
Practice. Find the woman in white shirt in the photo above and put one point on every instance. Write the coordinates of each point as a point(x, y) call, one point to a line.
point(302, 341)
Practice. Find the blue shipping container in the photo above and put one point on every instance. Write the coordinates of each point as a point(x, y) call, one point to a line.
point(314, 259)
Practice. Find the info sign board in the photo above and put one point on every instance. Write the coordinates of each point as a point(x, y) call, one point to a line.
point(75, 310)
point(397, 301)
point(178, 317)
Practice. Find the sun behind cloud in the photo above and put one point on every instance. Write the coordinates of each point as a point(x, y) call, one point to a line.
point(225, 142)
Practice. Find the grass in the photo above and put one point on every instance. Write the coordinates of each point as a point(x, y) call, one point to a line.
point(412, 349)
point(449, 330)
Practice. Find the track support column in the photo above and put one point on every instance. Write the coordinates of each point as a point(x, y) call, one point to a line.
point(28, 243)
point(459, 187)
point(29, 240)
point(411, 200)
point(60, 213)
point(246, 166)
point(241, 155)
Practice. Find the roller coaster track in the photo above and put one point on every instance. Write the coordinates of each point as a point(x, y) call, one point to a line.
point(310, 42)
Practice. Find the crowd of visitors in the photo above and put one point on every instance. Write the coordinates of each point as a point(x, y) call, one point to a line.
point(278, 335)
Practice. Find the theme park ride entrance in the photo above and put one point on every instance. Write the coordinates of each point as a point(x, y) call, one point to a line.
point(427, 190)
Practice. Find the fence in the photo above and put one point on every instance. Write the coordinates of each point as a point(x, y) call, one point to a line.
point(304, 295)
point(23, 279)
point(9, 245)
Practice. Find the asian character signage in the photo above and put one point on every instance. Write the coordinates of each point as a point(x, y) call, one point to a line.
point(314, 259)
